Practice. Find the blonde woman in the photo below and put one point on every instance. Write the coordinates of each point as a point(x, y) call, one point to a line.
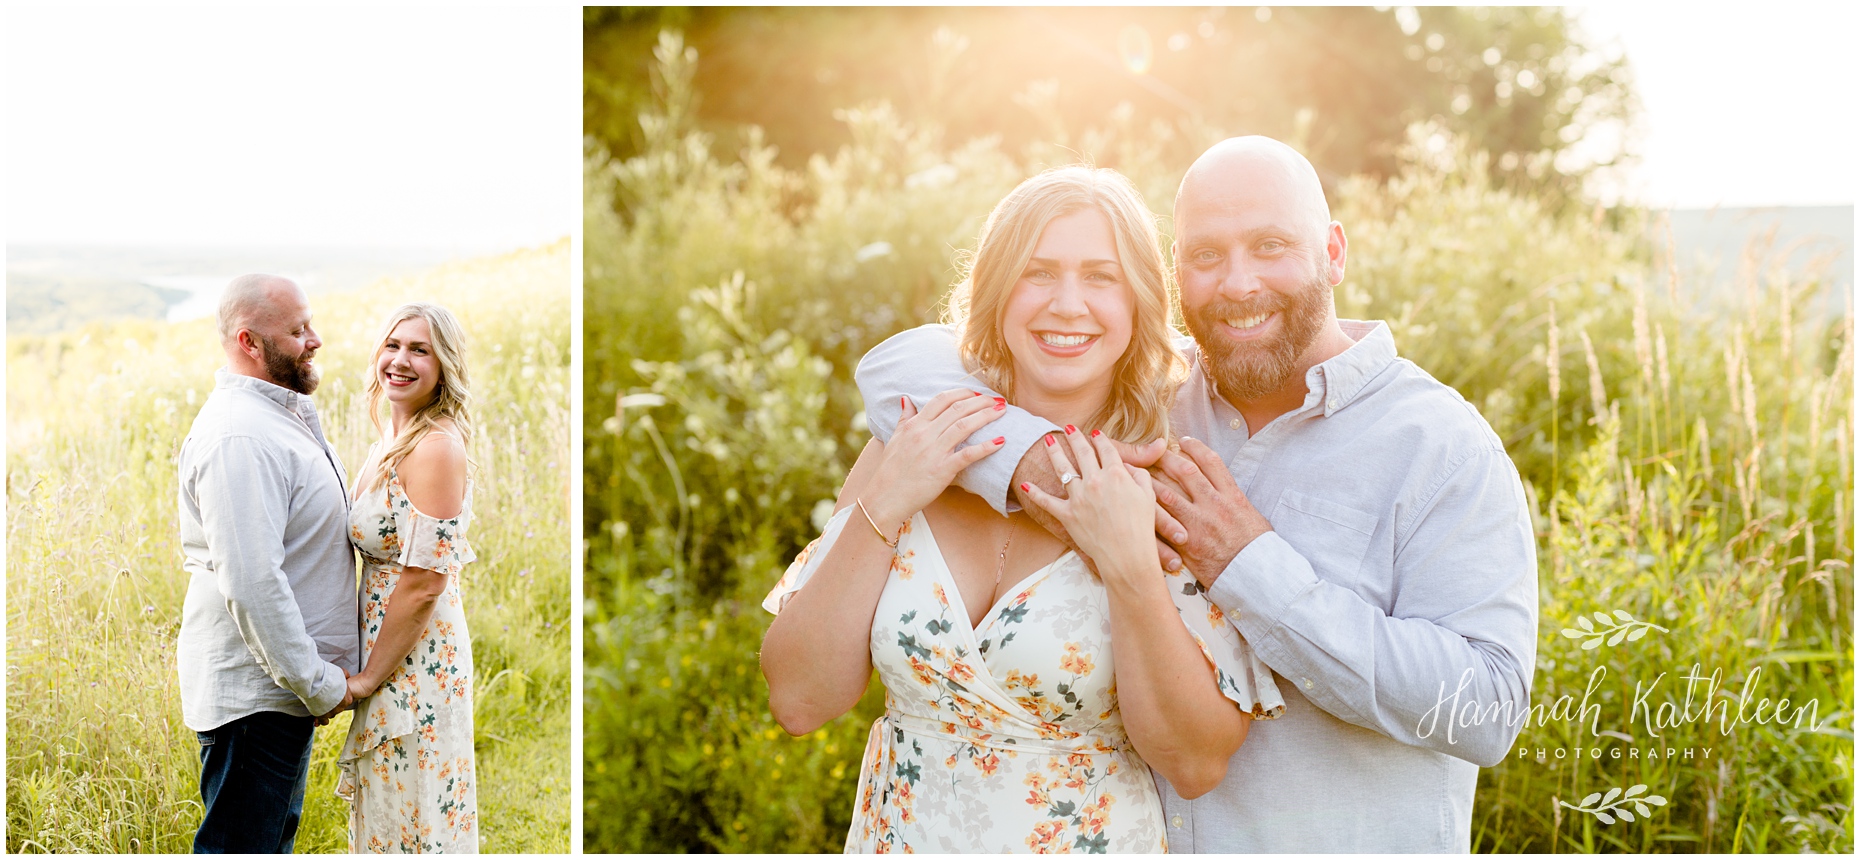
point(1028, 695)
point(407, 766)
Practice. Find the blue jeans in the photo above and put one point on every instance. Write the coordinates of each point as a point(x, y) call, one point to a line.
point(252, 774)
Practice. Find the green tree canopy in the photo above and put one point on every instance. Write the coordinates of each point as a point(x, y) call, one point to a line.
point(1343, 84)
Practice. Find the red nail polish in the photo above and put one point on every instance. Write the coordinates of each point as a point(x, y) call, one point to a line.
point(1095, 434)
point(1025, 489)
point(1000, 404)
point(1000, 440)
point(1071, 429)
point(1049, 440)
point(902, 401)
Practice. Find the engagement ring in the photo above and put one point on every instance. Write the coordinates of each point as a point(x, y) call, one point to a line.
point(1068, 478)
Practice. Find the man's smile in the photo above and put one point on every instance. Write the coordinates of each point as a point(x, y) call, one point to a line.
point(1249, 326)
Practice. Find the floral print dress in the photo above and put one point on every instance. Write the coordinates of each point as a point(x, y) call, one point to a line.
point(407, 768)
point(1007, 737)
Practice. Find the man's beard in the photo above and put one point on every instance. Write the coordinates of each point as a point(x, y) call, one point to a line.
point(1248, 371)
point(296, 374)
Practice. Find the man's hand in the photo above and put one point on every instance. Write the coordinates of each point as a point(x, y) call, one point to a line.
point(1202, 517)
point(1036, 468)
point(348, 701)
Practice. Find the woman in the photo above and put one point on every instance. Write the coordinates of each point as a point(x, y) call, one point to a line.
point(407, 767)
point(1010, 726)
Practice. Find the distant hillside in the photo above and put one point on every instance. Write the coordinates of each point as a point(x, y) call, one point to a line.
point(52, 288)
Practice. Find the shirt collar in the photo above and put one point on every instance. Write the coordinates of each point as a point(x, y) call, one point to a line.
point(1344, 376)
point(293, 402)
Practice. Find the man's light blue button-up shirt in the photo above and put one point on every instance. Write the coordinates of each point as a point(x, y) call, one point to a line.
point(270, 621)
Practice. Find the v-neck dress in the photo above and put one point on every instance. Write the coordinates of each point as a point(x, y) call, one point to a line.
point(408, 768)
point(1007, 737)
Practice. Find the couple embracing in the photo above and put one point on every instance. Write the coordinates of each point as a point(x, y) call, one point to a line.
point(1277, 521)
point(276, 638)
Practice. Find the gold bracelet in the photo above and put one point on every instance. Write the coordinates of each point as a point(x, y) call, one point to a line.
point(893, 542)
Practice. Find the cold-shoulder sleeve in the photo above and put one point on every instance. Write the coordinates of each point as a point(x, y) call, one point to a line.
point(1242, 676)
point(434, 544)
point(806, 563)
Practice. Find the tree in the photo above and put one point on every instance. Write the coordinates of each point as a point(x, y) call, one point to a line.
point(1343, 84)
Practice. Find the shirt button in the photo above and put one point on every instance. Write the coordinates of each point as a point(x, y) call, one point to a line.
point(1234, 424)
point(1333, 403)
point(1307, 683)
point(1176, 821)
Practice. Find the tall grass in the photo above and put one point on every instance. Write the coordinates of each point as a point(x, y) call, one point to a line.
point(97, 757)
point(1688, 450)
point(1687, 455)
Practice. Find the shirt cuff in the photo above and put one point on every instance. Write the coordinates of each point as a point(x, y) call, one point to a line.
point(1261, 581)
point(328, 691)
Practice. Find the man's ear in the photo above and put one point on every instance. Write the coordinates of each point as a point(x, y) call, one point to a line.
point(1336, 252)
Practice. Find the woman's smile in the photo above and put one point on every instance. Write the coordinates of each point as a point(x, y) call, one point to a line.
point(1065, 345)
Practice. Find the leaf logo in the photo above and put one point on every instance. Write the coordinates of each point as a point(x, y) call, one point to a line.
point(1615, 804)
point(1621, 627)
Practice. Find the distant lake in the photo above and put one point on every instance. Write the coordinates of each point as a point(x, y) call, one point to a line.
point(203, 292)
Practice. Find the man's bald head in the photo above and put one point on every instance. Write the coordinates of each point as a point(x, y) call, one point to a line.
point(250, 299)
point(1256, 257)
point(265, 330)
point(1261, 168)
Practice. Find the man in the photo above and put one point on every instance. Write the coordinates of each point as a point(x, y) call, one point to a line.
point(269, 631)
point(1393, 587)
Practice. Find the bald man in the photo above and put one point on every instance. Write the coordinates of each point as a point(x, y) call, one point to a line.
point(1392, 588)
point(269, 629)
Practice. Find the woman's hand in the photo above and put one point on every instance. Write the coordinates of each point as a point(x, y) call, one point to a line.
point(362, 686)
point(1109, 509)
point(922, 458)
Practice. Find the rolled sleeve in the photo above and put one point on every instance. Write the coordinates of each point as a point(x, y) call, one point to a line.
point(243, 491)
point(1458, 645)
point(924, 362)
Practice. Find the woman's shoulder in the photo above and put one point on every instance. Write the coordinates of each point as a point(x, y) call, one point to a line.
point(444, 427)
point(433, 475)
point(441, 448)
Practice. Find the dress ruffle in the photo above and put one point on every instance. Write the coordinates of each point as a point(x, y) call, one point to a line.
point(434, 544)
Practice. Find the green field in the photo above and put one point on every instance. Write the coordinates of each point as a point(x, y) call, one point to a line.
point(97, 757)
point(1687, 452)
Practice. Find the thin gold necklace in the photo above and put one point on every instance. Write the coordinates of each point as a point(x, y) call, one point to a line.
point(1001, 559)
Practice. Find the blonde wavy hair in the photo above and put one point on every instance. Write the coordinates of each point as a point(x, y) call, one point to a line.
point(451, 397)
point(1151, 369)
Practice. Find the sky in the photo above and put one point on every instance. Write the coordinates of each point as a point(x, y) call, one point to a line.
point(453, 127)
point(458, 127)
point(1745, 104)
